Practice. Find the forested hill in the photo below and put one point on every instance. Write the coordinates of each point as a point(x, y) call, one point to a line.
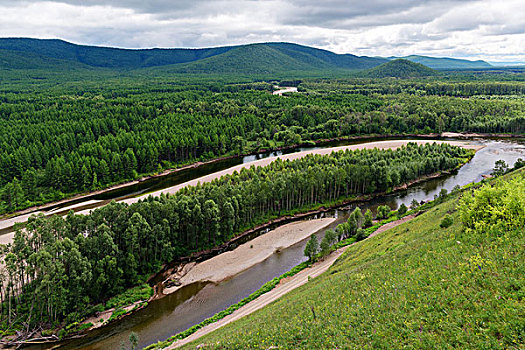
point(400, 68)
point(447, 62)
point(25, 60)
point(265, 57)
point(105, 56)
point(275, 57)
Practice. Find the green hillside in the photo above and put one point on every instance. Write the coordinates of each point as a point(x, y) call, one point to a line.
point(254, 58)
point(400, 68)
point(272, 58)
point(317, 57)
point(105, 56)
point(447, 63)
point(25, 60)
point(416, 286)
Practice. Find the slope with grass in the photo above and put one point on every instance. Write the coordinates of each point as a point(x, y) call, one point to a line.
point(400, 68)
point(418, 285)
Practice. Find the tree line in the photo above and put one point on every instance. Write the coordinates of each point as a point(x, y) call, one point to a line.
point(54, 143)
point(58, 268)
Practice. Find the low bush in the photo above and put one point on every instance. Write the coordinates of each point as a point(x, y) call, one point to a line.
point(446, 222)
point(130, 296)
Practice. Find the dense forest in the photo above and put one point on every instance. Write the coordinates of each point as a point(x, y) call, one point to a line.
point(61, 140)
point(58, 268)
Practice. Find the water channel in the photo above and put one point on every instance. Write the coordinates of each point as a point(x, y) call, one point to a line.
point(194, 303)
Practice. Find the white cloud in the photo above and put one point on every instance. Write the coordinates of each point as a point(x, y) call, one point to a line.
point(486, 29)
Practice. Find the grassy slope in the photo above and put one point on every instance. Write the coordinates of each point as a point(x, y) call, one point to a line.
point(414, 286)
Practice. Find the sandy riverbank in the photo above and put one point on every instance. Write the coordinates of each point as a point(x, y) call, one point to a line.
point(231, 263)
point(471, 135)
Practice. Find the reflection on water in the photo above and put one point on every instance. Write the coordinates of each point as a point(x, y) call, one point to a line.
point(192, 304)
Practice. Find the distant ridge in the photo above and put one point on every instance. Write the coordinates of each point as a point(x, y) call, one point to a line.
point(400, 68)
point(106, 57)
point(260, 58)
point(252, 58)
point(446, 62)
point(275, 57)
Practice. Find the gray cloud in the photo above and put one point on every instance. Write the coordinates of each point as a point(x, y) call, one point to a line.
point(462, 28)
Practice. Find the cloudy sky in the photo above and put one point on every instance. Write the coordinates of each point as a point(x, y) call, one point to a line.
point(484, 29)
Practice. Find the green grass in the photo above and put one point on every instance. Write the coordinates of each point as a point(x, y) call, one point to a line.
point(116, 314)
point(415, 286)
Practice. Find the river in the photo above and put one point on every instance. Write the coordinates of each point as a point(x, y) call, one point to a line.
point(192, 304)
point(283, 90)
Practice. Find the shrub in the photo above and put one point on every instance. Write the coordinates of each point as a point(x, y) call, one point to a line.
point(520, 163)
point(130, 296)
point(368, 218)
point(446, 222)
point(311, 248)
point(358, 215)
point(383, 211)
point(328, 240)
point(116, 314)
point(499, 207)
point(360, 234)
point(500, 168)
point(402, 209)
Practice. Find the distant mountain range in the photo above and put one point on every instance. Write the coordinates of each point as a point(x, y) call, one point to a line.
point(253, 58)
point(25, 53)
point(508, 64)
point(446, 63)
